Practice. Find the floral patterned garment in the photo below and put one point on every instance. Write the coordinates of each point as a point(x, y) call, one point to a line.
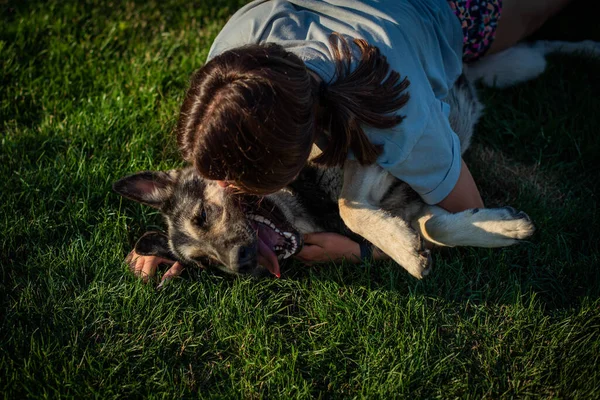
point(479, 20)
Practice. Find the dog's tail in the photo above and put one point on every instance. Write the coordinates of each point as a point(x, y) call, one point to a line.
point(465, 110)
point(522, 62)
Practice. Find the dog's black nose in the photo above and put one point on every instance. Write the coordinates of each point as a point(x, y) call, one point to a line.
point(246, 259)
point(246, 253)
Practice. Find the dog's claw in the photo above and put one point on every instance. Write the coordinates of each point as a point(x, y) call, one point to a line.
point(426, 254)
point(422, 246)
point(523, 215)
point(511, 210)
point(428, 262)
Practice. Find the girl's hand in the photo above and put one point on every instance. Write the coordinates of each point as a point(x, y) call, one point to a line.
point(325, 247)
point(144, 267)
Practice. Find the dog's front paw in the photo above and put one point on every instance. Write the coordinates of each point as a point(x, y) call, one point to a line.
point(506, 225)
point(418, 262)
point(480, 227)
point(425, 261)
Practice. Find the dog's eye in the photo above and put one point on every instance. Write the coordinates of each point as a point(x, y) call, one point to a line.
point(200, 219)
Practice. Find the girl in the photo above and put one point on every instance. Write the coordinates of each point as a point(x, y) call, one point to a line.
point(361, 79)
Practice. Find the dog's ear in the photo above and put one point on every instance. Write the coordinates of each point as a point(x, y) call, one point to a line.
point(154, 244)
point(147, 187)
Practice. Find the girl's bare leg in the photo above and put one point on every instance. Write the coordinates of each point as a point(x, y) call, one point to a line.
point(521, 18)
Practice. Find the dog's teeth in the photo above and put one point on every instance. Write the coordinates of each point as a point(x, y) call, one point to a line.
point(266, 222)
point(287, 254)
point(287, 234)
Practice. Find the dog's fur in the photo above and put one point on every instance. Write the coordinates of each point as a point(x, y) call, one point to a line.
point(208, 225)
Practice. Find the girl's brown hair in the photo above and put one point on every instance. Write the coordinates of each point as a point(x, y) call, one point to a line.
point(252, 114)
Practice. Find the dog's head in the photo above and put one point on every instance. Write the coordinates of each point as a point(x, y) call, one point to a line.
point(210, 226)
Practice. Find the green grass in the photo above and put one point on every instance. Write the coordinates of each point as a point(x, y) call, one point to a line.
point(89, 92)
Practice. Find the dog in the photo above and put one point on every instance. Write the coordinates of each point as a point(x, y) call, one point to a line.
point(209, 226)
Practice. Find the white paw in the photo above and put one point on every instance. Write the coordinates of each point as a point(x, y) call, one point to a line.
point(485, 227)
point(415, 259)
point(420, 264)
point(502, 226)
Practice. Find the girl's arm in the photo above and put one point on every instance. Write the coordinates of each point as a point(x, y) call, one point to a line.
point(465, 194)
point(325, 247)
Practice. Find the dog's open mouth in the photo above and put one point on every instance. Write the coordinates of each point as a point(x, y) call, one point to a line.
point(277, 240)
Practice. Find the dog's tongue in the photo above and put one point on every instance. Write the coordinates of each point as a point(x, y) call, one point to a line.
point(267, 258)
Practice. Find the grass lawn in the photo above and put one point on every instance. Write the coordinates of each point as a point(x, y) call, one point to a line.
point(89, 92)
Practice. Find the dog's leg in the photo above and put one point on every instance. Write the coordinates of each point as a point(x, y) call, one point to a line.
point(587, 47)
point(362, 191)
point(523, 62)
point(485, 227)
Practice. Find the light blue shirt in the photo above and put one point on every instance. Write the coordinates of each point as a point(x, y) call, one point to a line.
point(422, 40)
